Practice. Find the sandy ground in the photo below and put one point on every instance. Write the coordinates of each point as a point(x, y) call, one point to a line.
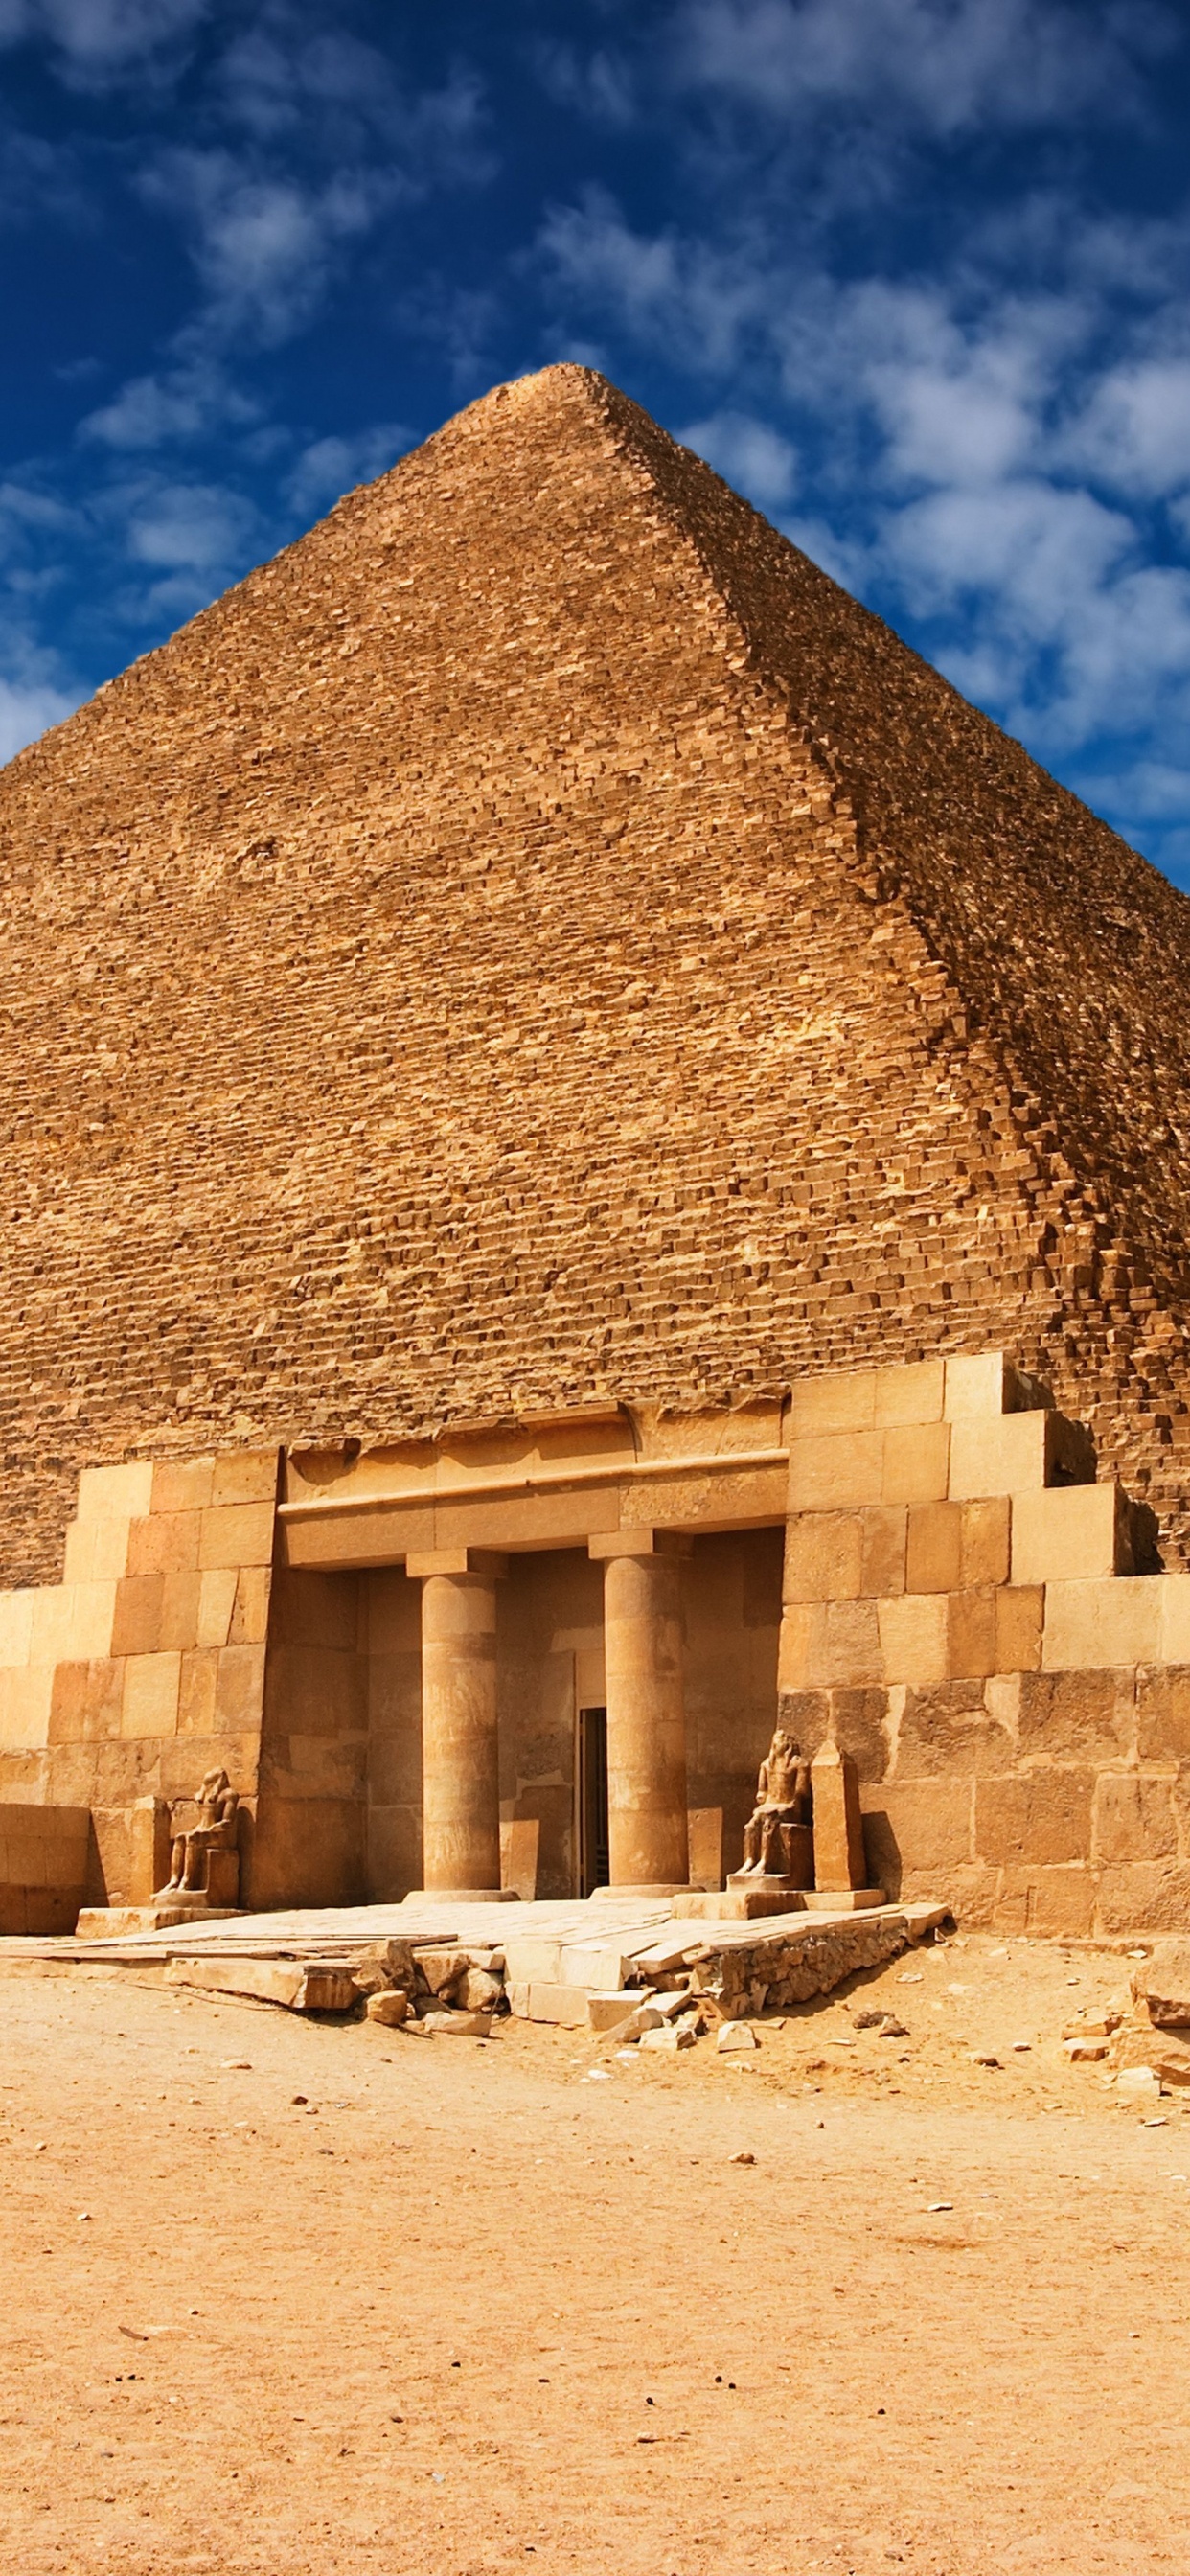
point(471, 2307)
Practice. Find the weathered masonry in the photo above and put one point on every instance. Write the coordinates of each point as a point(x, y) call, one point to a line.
point(427, 1665)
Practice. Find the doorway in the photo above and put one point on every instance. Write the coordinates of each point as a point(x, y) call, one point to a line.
point(594, 1859)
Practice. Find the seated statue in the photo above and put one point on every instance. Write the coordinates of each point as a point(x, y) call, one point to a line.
point(215, 1831)
point(783, 1801)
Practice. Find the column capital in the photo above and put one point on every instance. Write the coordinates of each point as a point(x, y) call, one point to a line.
point(457, 1560)
point(638, 1542)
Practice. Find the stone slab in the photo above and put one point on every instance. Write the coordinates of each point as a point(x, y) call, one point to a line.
point(740, 1904)
point(118, 1922)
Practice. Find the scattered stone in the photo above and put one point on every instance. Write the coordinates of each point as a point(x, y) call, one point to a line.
point(987, 2060)
point(743, 2157)
point(1161, 1988)
point(1084, 2049)
point(732, 2036)
point(481, 1991)
point(1138, 2083)
point(389, 2007)
point(672, 2035)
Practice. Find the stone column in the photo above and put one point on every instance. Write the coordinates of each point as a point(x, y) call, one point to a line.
point(460, 1751)
point(646, 1717)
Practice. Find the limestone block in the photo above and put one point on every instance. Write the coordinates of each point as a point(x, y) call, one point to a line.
point(1134, 1818)
point(801, 1646)
point(978, 1385)
point(851, 1649)
point(563, 2004)
point(389, 2007)
point(310, 1985)
point(914, 1637)
point(934, 1547)
point(971, 1643)
point(239, 1687)
point(136, 1626)
point(151, 1688)
point(250, 1613)
point(116, 1493)
point(25, 1699)
point(180, 1600)
point(1058, 1902)
point(86, 1700)
point(1163, 1713)
point(217, 1592)
point(532, 1962)
point(96, 1551)
point(196, 1691)
point(1175, 1619)
point(236, 1533)
point(882, 1569)
point(165, 1543)
point(839, 1860)
point(837, 1471)
point(1144, 1896)
point(1020, 1612)
point(704, 1841)
point(1093, 1625)
point(592, 1963)
point(1000, 1454)
point(16, 1628)
point(922, 1825)
point(914, 1392)
point(182, 1484)
point(824, 1554)
point(916, 1463)
point(607, 2011)
point(245, 1476)
point(1068, 1534)
point(520, 1841)
point(1042, 1818)
point(1078, 1715)
point(1161, 1986)
point(842, 1401)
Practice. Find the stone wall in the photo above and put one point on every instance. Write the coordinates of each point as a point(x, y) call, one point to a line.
point(45, 1867)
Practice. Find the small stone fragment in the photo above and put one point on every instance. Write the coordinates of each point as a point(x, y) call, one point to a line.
point(733, 2036)
point(458, 2025)
point(389, 2007)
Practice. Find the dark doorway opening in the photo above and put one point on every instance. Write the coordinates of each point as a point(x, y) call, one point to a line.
point(594, 1862)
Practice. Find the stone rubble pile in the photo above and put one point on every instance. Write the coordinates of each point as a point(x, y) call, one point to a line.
point(1149, 2038)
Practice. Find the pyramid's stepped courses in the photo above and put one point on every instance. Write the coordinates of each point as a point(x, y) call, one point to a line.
point(539, 937)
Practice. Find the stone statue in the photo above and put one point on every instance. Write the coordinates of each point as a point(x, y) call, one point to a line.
point(783, 1801)
point(215, 1832)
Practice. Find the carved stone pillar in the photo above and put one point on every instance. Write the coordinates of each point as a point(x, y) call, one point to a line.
point(646, 1716)
point(460, 1751)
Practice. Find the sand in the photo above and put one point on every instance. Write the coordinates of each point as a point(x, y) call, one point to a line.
point(284, 2296)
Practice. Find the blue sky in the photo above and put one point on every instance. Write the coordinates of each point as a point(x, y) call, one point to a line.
point(911, 273)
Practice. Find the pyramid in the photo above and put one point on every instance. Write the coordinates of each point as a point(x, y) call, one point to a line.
point(540, 940)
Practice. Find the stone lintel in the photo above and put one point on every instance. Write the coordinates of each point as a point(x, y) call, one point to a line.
point(637, 1542)
point(457, 1560)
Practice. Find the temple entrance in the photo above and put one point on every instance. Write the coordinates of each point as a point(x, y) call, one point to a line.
point(594, 1866)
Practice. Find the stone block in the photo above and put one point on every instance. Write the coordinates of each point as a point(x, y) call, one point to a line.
point(837, 1471)
point(1078, 1716)
point(389, 2007)
point(882, 1569)
point(250, 1613)
point(239, 1687)
point(859, 1720)
point(236, 1534)
point(1161, 1986)
point(1000, 1454)
point(851, 1649)
point(977, 1384)
point(86, 1701)
point(1019, 1615)
point(839, 1860)
point(914, 1638)
point(16, 1628)
point(1175, 1619)
point(934, 1547)
point(704, 1842)
point(1038, 1818)
point(971, 1634)
point(245, 1476)
point(1144, 1896)
point(116, 1493)
point(1163, 1713)
point(217, 1590)
point(180, 1598)
point(916, 1825)
point(25, 1699)
point(916, 1463)
point(182, 1484)
point(197, 1685)
point(1134, 1818)
point(565, 2005)
point(1068, 1534)
point(136, 1626)
point(532, 1962)
point(165, 1543)
point(1089, 1626)
point(608, 2010)
point(801, 1646)
point(823, 1556)
point(986, 1541)
point(842, 1401)
point(912, 1393)
point(151, 1690)
point(1060, 1902)
point(948, 1730)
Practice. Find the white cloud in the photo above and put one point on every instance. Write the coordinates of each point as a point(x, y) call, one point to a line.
point(27, 710)
point(596, 86)
point(98, 38)
point(187, 527)
point(1134, 433)
point(703, 300)
point(943, 65)
point(331, 466)
point(263, 245)
point(748, 453)
point(179, 403)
